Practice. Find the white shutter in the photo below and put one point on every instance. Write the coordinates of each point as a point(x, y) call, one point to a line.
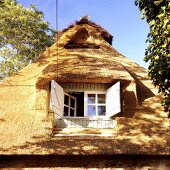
point(57, 99)
point(113, 105)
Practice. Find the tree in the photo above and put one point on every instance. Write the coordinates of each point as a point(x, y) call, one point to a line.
point(157, 14)
point(23, 36)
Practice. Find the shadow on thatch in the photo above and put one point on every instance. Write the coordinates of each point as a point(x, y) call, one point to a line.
point(77, 146)
point(152, 108)
point(148, 127)
point(143, 92)
point(77, 67)
point(42, 60)
point(131, 137)
point(2, 120)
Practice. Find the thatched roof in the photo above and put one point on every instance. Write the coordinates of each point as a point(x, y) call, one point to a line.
point(93, 65)
point(107, 36)
point(26, 125)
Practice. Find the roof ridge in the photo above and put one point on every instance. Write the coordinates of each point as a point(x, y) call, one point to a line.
point(84, 20)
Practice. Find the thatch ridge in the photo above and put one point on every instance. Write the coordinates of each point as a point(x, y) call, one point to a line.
point(105, 34)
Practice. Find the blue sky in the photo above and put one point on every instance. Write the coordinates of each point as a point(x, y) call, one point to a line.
point(120, 17)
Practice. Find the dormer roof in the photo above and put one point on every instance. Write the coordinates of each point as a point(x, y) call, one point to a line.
point(104, 34)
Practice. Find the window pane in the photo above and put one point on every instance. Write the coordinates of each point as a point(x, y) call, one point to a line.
point(71, 112)
point(101, 110)
point(66, 100)
point(65, 111)
point(91, 98)
point(91, 110)
point(72, 102)
point(101, 98)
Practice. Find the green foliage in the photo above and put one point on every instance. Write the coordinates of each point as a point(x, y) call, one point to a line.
point(23, 36)
point(157, 14)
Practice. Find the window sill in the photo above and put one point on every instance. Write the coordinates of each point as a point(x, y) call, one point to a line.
point(90, 118)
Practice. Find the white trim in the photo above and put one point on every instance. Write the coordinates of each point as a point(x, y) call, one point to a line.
point(69, 105)
point(89, 117)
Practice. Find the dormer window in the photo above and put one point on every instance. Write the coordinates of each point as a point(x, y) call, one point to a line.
point(85, 108)
point(96, 103)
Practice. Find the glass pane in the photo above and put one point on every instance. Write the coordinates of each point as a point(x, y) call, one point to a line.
point(71, 112)
point(66, 100)
point(72, 102)
point(101, 98)
point(65, 111)
point(101, 110)
point(91, 110)
point(91, 98)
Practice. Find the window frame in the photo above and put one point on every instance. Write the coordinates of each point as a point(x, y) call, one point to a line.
point(113, 100)
point(69, 105)
point(95, 104)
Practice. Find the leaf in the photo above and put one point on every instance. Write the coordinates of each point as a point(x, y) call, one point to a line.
point(165, 22)
point(160, 15)
point(164, 45)
point(158, 2)
point(163, 7)
point(152, 22)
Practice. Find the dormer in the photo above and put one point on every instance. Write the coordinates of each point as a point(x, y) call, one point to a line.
point(81, 39)
point(84, 34)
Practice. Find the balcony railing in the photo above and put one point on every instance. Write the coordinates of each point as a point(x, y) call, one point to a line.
point(84, 122)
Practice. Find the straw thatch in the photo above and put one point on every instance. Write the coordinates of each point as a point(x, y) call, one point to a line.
point(107, 37)
point(26, 125)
